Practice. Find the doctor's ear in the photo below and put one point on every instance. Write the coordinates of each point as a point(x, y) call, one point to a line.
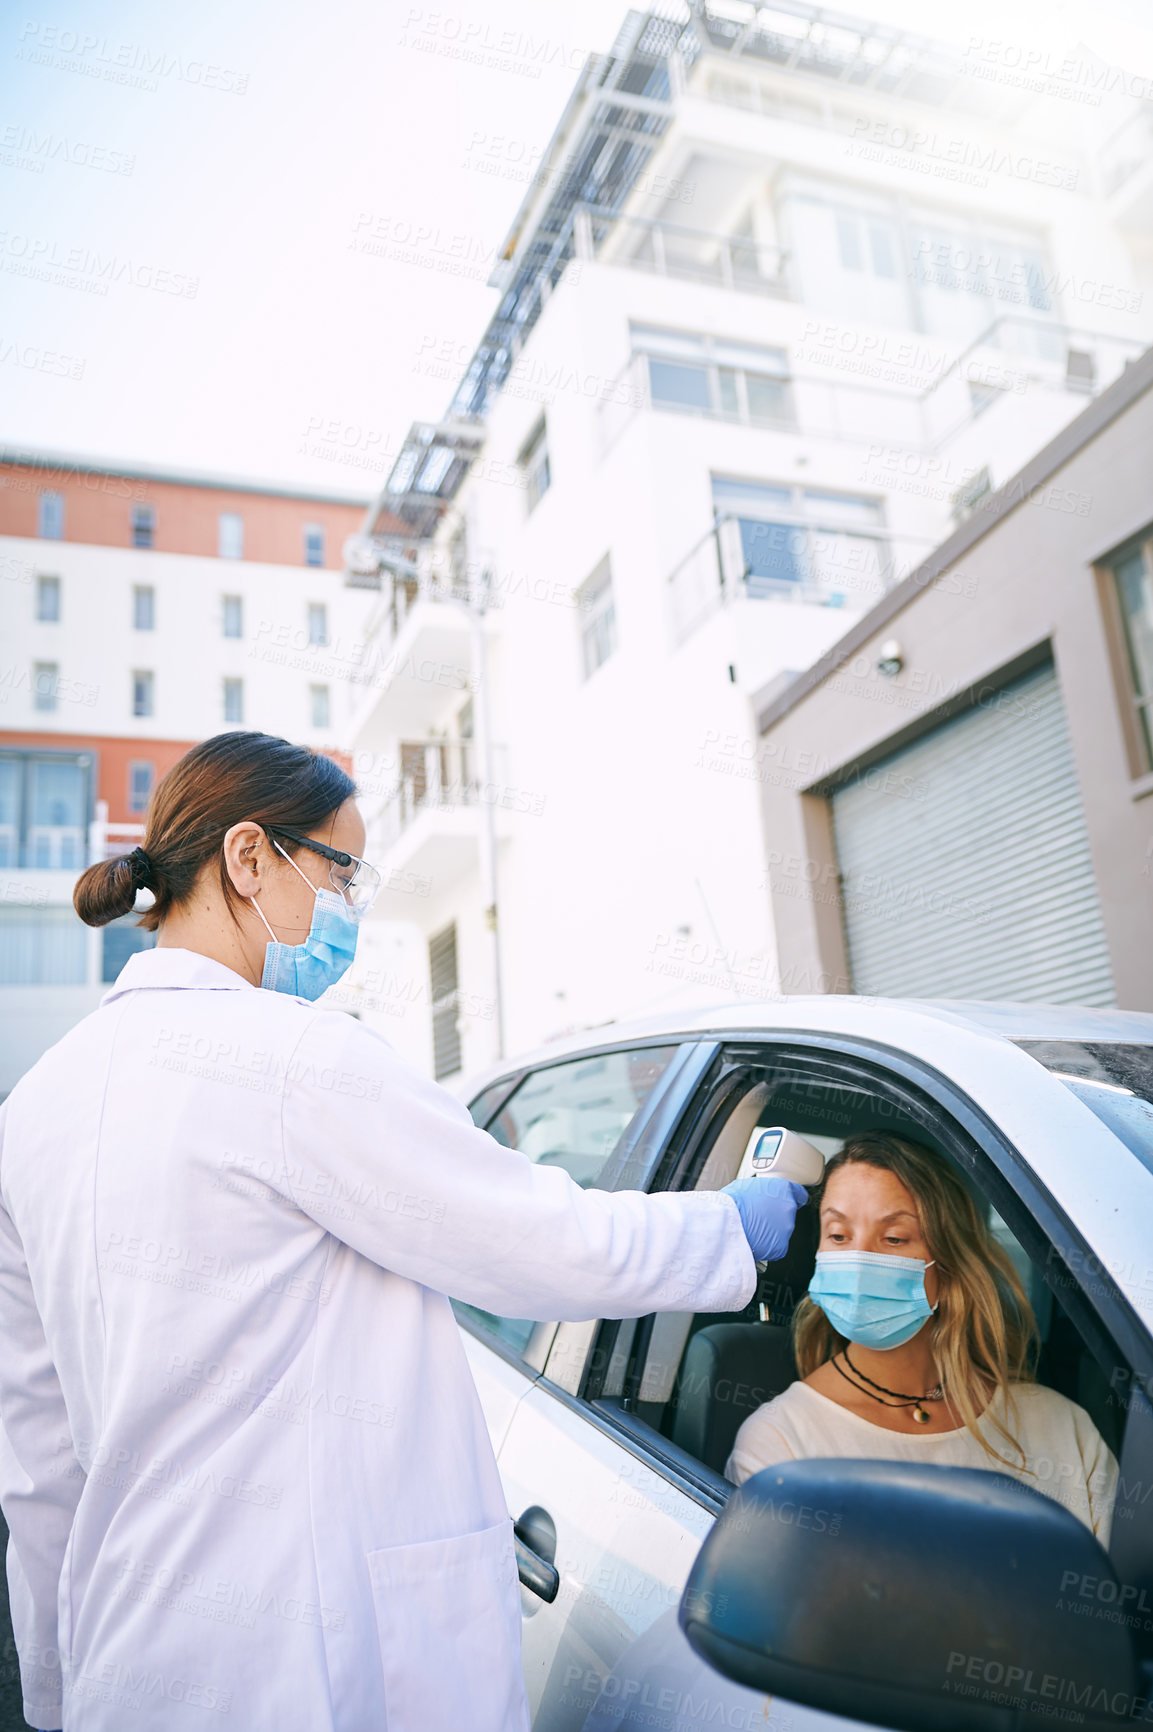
point(246, 857)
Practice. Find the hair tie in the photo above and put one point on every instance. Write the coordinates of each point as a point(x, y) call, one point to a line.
point(141, 868)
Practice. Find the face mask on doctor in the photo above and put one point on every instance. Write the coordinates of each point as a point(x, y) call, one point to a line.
point(872, 1299)
point(306, 970)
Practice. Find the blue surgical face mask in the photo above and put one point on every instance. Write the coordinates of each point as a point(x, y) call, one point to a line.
point(306, 970)
point(872, 1299)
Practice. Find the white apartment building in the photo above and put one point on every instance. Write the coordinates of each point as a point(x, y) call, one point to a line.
point(783, 302)
point(141, 611)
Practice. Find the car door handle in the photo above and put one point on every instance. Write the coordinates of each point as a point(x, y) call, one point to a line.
point(535, 1534)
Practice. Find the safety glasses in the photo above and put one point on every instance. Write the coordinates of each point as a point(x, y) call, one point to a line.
point(350, 876)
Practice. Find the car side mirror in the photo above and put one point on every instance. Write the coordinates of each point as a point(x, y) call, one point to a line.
point(925, 1599)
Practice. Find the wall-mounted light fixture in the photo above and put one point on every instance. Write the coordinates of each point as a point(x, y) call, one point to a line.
point(892, 658)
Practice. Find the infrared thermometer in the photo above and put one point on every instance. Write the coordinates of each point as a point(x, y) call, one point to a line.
point(780, 1154)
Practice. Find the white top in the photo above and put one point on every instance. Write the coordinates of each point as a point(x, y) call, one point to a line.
point(243, 1460)
point(1065, 1455)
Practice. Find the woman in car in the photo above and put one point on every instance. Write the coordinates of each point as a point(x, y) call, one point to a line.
point(915, 1342)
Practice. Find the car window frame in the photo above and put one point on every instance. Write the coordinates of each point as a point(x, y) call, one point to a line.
point(1113, 1332)
point(502, 1090)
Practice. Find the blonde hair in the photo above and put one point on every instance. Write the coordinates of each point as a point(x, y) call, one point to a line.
point(983, 1332)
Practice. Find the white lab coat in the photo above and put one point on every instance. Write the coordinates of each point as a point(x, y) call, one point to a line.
point(244, 1464)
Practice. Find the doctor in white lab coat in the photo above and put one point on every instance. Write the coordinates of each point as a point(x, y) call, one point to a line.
point(243, 1462)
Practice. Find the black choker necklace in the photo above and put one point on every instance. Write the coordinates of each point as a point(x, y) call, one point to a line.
point(916, 1402)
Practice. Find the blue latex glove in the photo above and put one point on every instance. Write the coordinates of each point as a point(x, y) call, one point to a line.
point(767, 1207)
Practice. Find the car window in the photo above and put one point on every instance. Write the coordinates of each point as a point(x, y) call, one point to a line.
point(571, 1115)
point(487, 1101)
point(695, 1378)
point(1113, 1078)
point(574, 1115)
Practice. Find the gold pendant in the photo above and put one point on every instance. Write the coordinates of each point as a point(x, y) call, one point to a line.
point(921, 1417)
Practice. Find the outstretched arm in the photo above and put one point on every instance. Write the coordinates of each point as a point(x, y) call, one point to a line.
point(392, 1164)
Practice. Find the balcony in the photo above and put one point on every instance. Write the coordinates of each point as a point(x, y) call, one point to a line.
point(66, 849)
point(703, 377)
point(426, 834)
point(749, 559)
point(106, 840)
point(692, 255)
point(417, 661)
point(53, 968)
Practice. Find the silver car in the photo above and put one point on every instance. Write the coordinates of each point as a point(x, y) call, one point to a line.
point(611, 1437)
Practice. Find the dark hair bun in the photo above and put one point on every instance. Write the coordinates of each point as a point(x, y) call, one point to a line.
point(106, 891)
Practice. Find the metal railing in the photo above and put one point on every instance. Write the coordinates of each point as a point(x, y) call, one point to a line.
point(631, 391)
point(695, 255)
point(107, 840)
point(435, 775)
point(834, 568)
point(400, 594)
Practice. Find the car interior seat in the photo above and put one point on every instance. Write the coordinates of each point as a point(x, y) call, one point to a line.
point(732, 1365)
point(729, 1369)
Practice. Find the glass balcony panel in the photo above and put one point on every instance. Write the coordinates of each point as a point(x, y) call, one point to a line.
point(848, 567)
point(58, 793)
point(774, 553)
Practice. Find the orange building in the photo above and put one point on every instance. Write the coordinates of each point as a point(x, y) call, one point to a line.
point(58, 498)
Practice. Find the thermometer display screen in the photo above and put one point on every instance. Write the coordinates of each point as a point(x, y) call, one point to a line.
point(767, 1151)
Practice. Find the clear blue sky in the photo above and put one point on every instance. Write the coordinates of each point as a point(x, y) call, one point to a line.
point(217, 170)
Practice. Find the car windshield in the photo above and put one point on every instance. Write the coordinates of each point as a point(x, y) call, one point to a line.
point(1113, 1078)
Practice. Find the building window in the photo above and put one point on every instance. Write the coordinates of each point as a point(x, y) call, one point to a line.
point(233, 700)
point(866, 244)
point(121, 939)
point(702, 375)
point(313, 544)
point(233, 615)
point(143, 607)
point(317, 624)
point(1135, 595)
point(777, 539)
point(44, 805)
point(143, 692)
point(141, 779)
point(989, 269)
point(318, 706)
point(143, 525)
point(598, 618)
point(50, 517)
point(45, 685)
point(48, 599)
point(230, 538)
point(42, 946)
point(444, 986)
point(885, 261)
point(534, 465)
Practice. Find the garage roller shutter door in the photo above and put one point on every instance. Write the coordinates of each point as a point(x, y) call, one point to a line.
point(965, 862)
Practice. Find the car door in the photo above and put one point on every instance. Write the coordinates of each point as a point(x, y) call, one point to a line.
point(622, 1512)
point(596, 1115)
point(593, 1448)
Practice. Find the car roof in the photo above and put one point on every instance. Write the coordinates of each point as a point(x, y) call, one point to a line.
point(888, 1020)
